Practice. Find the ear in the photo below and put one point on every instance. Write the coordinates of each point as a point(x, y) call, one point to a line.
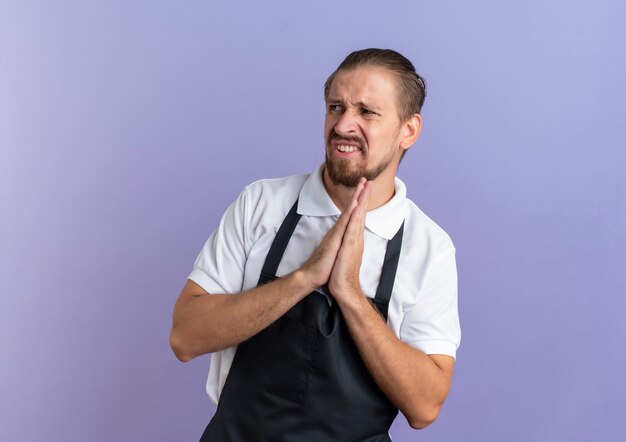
point(410, 131)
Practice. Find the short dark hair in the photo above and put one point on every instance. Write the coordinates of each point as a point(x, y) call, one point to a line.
point(411, 87)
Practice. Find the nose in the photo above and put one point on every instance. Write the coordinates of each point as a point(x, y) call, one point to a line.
point(346, 125)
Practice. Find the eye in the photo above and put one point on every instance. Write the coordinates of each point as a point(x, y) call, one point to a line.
point(335, 108)
point(366, 111)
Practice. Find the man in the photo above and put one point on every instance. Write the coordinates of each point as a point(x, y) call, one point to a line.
point(329, 300)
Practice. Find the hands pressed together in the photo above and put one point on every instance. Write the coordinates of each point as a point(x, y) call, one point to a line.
point(337, 259)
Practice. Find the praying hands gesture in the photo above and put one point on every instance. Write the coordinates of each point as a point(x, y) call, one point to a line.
point(337, 260)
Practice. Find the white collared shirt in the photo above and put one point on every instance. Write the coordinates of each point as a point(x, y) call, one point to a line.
point(423, 307)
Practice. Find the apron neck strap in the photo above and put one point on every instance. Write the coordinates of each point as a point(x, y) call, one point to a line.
point(280, 242)
point(388, 272)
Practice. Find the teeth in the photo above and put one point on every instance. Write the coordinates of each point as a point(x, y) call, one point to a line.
point(345, 148)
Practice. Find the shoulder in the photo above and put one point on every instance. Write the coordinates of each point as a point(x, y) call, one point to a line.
point(424, 233)
point(271, 188)
point(268, 200)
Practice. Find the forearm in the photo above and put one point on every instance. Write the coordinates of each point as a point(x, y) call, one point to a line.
point(408, 377)
point(210, 322)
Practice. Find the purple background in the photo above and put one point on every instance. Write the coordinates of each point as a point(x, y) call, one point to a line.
point(126, 128)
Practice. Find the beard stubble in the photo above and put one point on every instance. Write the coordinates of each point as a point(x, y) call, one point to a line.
point(342, 173)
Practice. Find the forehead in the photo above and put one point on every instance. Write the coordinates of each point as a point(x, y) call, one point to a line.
point(367, 84)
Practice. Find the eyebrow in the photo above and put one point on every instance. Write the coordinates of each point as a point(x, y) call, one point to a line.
point(358, 103)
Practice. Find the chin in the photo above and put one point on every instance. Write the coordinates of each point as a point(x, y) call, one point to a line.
point(340, 173)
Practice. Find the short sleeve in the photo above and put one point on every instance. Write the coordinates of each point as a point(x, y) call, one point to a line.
point(219, 268)
point(432, 323)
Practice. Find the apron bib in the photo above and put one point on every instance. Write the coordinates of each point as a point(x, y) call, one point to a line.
point(302, 378)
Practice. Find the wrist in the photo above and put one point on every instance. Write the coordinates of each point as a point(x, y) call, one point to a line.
point(350, 298)
point(303, 281)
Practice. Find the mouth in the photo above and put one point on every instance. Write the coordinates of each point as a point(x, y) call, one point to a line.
point(345, 149)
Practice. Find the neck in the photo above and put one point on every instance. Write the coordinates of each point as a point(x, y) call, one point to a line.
point(383, 190)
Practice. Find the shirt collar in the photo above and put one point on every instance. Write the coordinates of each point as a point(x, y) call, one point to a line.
point(384, 221)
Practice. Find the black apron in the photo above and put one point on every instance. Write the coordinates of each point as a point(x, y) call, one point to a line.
point(302, 378)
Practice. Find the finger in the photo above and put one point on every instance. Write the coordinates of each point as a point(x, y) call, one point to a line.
point(337, 231)
point(356, 223)
point(355, 195)
point(349, 209)
point(363, 200)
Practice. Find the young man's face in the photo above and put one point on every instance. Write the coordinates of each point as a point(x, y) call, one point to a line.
point(362, 127)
